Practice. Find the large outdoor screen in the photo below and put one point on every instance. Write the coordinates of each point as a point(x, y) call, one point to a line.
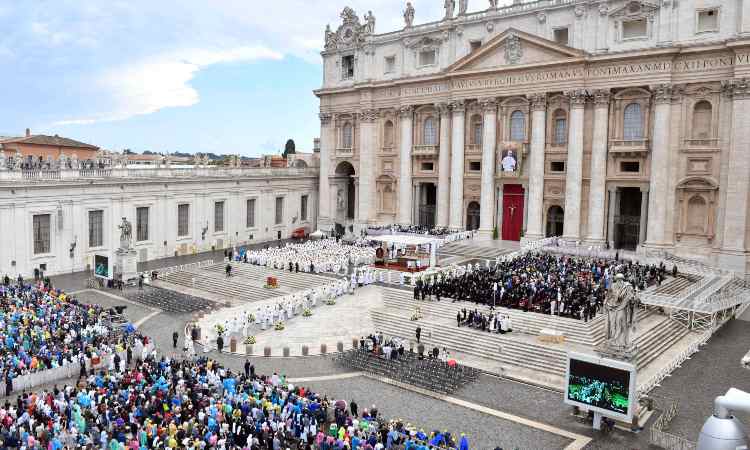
point(600, 386)
point(101, 266)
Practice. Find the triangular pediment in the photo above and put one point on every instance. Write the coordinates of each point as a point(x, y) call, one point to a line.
point(514, 48)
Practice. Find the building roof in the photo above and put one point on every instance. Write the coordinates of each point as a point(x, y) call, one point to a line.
point(42, 139)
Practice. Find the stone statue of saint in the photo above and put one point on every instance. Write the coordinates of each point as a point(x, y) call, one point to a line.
point(340, 199)
point(330, 38)
point(450, 7)
point(369, 23)
point(409, 15)
point(126, 234)
point(17, 161)
point(620, 308)
point(3, 160)
point(463, 6)
point(493, 4)
point(74, 163)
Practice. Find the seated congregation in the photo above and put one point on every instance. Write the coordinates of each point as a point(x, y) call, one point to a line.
point(562, 285)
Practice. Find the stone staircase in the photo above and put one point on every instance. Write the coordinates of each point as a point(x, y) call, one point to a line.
point(576, 331)
point(288, 281)
point(498, 348)
point(517, 349)
point(676, 286)
point(228, 290)
point(472, 249)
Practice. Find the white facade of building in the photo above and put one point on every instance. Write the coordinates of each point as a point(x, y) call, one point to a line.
point(620, 123)
point(83, 208)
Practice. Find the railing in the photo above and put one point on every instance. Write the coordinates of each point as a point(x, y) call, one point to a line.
point(153, 172)
point(712, 142)
point(426, 149)
point(473, 148)
point(676, 362)
point(630, 145)
point(164, 271)
point(668, 441)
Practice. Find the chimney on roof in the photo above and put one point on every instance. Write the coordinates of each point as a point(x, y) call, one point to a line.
point(28, 132)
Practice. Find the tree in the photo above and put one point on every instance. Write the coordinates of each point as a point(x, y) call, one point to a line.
point(289, 148)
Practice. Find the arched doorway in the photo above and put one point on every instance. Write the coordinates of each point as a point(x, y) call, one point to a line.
point(345, 200)
point(555, 221)
point(472, 216)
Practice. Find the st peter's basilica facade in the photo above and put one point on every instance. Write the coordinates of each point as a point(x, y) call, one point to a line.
point(620, 123)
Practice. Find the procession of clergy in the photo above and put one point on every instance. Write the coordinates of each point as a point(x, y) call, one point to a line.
point(325, 255)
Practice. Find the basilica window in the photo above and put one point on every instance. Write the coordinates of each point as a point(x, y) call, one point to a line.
point(96, 228)
point(702, 120)
point(347, 135)
point(141, 224)
point(632, 122)
point(561, 35)
point(303, 208)
point(634, 29)
point(707, 21)
point(183, 220)
point(41, 230)
point(560, 121)
point(347, 67)
point(250, 213)
point(388, 134)
point(517, 126)
point(476, 129)
point(279, 210)
point(218, 217)
point(429, 132)
point(390, 64)
point(427, 57)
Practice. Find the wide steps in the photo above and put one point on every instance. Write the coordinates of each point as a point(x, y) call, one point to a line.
point(231, 290)
point(576, 331)
point(657, 339)
point(484, 345)
point(290, 281)
point(475, 250)
point(676, 286)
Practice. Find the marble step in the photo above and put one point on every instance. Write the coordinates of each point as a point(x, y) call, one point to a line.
point(493, 347)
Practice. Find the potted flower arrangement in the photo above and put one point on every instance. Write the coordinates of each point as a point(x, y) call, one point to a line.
point(220, 330)
point(250, 340)
point(331, 301)
point(307, 312)
point(279, 326)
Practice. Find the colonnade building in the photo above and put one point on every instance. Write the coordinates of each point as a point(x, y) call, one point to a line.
point(619, 123)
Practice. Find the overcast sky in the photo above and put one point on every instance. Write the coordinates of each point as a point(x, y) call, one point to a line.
point(225, 76)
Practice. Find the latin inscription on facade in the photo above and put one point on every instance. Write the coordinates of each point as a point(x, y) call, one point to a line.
point(570, 73)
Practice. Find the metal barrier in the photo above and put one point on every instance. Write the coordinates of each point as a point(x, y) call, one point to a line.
point(49, 376)
point(164, 271)
point(668, 441)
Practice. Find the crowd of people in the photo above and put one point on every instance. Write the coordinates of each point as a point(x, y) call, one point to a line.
point(561, 285)
point(44, 328)
point(325, 255)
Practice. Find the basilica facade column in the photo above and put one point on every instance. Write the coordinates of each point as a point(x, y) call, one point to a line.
point(734, 251)
point(644, 216)
point(404, 183)
point(444, 167)
point(457, 166)
point(535, 205)
point(574, 168)
point(367, 143)
point(657, 202)
point(487, 192)
point(597, 191)
point(327, 142)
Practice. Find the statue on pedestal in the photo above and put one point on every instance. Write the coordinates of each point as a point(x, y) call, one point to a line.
point(369, 27)
point(493, 4)
point(3, 160)
point(409, 15)
point(450, 6)
point(126, 234)
point(620, 307)
point(463, 6)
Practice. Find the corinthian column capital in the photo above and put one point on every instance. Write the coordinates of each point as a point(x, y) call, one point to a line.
point(444, 108)
point(406, 111)
point(325, 118)
point(662, 93)
point(489, 105)
point(738, 88)
point(458, 106)
point(368, 115)
point(578, 98)
point(602, 97)
point(538, 101)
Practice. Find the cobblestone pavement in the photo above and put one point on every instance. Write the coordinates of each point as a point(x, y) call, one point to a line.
point(483, 431)
point(708, 374)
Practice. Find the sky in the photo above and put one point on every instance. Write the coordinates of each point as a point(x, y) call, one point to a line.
point(221, 76)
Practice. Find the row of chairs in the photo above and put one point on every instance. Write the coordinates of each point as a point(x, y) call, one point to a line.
point(169, 301)
point(431, 374)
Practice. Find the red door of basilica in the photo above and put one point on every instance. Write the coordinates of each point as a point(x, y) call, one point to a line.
point(512, 212)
